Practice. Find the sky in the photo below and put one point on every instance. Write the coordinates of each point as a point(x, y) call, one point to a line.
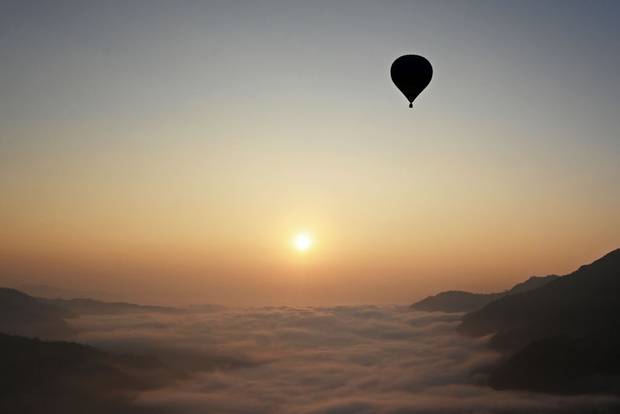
point(170, 151)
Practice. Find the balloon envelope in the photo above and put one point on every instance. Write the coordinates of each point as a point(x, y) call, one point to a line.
point(411, 74)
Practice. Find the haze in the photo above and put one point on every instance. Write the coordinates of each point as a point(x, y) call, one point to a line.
point(169, 151)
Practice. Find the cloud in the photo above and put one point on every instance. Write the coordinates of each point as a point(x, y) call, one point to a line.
point(328, 360)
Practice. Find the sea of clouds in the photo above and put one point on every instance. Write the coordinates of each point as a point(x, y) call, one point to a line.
point(336, 360)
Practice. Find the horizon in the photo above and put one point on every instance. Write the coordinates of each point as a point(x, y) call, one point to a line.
point(54, 292)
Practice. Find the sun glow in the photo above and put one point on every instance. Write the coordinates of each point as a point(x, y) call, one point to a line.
point(302, 242)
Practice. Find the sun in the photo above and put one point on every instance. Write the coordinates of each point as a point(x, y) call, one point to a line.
point(302, 242)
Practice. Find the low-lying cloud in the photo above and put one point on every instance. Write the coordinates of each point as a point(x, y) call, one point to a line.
point(337, 360)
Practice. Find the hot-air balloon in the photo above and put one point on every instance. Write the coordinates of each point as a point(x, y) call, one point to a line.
point(411, 74)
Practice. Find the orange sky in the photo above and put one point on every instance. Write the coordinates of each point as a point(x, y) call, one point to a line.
point(171, 156)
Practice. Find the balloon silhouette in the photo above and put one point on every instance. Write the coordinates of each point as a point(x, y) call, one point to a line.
point(411, 74)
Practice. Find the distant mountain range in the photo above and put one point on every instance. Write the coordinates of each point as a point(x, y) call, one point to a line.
point(25, 315)
point(460, 301)
point(50, 291)
point(557, 334)
point(91, 306)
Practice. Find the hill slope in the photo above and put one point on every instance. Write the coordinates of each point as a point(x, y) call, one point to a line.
point(562, 337)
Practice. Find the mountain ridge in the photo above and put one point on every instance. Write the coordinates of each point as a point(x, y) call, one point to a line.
point(563, 337)
point(462, 301)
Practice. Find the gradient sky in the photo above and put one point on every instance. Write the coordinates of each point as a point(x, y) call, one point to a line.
point(169, 151)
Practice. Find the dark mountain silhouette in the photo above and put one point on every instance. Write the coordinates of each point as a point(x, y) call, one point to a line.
point(460, 301)
point(21, 314)
point(64, 377)
point(584, 300)
point(561, 337)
